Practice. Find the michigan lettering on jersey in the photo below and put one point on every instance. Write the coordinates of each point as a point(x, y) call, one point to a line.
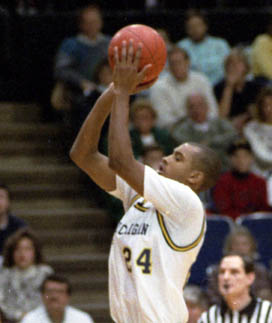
point(132, 229)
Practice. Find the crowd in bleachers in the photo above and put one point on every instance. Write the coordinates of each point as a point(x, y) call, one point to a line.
point(208, 93)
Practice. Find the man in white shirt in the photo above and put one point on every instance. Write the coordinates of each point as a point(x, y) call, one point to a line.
point(170, 93)
point(56, 293)
point(159, 237)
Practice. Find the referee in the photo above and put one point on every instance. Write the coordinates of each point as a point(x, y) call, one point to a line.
point(235, 277)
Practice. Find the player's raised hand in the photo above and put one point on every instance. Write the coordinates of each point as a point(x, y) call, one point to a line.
point(126, 74)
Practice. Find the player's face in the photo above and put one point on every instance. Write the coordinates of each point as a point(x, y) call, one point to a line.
point(24, 254)
point(4, 202)
point(196, 28)
point(178, 166)
point(233, 281)
point(55, 296)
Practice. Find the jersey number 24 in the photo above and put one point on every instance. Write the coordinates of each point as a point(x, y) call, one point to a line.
point(143, 260)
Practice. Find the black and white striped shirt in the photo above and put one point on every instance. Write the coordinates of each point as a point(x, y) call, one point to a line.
point(258, 311)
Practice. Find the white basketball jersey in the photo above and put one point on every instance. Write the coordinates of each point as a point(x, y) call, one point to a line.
point(152, 251)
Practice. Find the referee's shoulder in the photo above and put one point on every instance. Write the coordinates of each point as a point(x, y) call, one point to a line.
point(209, 315)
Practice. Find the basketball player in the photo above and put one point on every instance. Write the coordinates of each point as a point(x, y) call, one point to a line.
point(160, 235)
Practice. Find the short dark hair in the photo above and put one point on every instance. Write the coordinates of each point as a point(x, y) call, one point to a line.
point(176, 49)
point(248, 262)
point(207, 161)
point(191, 13)
point(239, 144)
point(57, 279)
point(12, 242)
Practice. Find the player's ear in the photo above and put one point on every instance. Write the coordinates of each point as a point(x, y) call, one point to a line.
point(196, 177)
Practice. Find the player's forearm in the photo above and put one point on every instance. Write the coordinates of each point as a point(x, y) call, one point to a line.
point(86, 142)
point(120, 149)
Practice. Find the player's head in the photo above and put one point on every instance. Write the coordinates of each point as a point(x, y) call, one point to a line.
point(192, 164)
point(235, 276)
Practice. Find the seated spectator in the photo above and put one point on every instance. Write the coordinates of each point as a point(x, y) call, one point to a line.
point(261, 56)
point(78, 56)
point(152, 156)
point(259, 133)
point(102, 78)
point(236, 93)
point(197, 127)
point(22, 275)
point(56, 292)
point(236, 275)
point(144, 132)
point(169, 94)
point(241, 241)
point(9, 223)
point(239, 191)
point(196, 301)
point(207, 52)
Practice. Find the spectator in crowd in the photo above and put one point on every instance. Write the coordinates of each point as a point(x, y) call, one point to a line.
point(235, 278)
point(144, 131)
point(56, 292)
point(239, 191)
point(241, 241)
point(197, 127)
point(22, 274)
point(236, 92)
point(261, 55)
point(102, 78)
point(196, 301)
point(78, 56)
point(9, 223)
point(207, 52)
point(168, 95)
point(259, 133)
point(152, 156)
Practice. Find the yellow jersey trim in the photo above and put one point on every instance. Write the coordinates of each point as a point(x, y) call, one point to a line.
point(135, 198)
point(171, 243)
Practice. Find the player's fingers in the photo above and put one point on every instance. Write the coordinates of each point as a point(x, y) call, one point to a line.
point(116, 55)
point(124, 51)
point(130, 52)
point(138, 55)
point(143, 72)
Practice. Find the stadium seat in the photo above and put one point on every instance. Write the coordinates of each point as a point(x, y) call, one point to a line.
point(260, 225)
point(218, 226)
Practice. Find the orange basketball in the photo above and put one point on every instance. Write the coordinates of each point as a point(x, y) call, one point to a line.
point(153, 50)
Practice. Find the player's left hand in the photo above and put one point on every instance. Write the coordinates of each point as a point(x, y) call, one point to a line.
point(126, 74)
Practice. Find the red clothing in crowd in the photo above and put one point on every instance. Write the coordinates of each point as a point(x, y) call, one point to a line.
point(238, 194)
